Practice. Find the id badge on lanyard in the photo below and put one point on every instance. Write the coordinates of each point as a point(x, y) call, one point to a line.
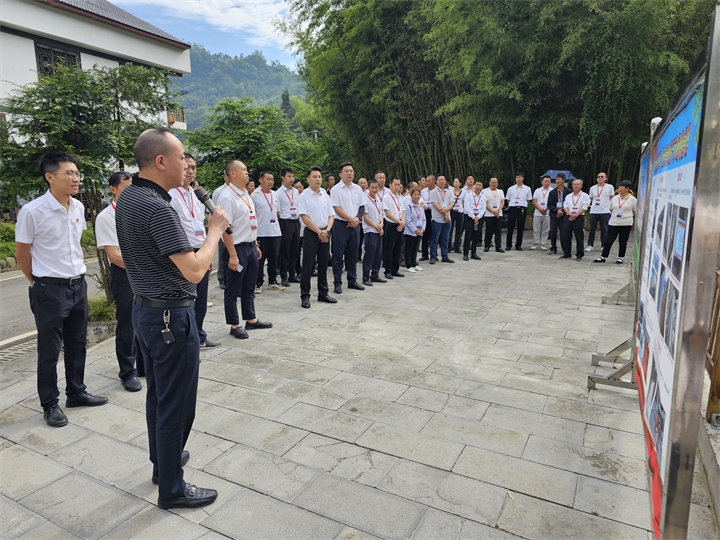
point(253, 221)
point(619, 214)
point(293, 212)
point(597, 202)
point(199, 228)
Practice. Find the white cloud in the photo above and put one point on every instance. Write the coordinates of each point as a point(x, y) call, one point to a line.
point(251, 20)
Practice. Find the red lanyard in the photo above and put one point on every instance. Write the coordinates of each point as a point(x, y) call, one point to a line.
point(417, 210)
point(575, 202)
point(396, 204)
point(600, 192)
point(381, 196)
point(375, 205)
point(113, 205)
point(623, 201)
point(268, 202)
point(292, 201)
point(544, 193)
point(442, 194)
point(189, 207)
point(518, 191)
point(241, 198)
point(477, 201)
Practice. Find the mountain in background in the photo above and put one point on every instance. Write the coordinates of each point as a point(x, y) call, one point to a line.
point(219, 76)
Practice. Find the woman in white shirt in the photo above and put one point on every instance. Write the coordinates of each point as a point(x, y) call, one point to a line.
point(623, 208)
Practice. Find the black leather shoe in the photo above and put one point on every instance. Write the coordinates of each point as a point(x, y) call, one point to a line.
point(378, 280)
point(486, 250)
point(388, 275)
point(305, 302)
point(184, 458)
point(565, 257)
point(239, 333)
point(294, 280)
point(355, 285)
point(194, 497)
point(284, 283)
point(257, 325)
point(500, 250)
point(466, 258)
point(398, 274)
point(457, 250)
point(54, 416)
point(552, 251)
point(209, 344)
point(367, 283)
point(423, 258)
point(448, 260)
point(518, 248)
point(338, 289)
point(83, 399)
point(327, 299)
point(132, 384)
point(475, 257)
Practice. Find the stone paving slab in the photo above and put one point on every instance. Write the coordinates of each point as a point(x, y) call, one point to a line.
point(466, 415)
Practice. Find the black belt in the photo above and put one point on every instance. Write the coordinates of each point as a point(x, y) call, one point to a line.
point(246, 244)
point(289, 219)
point(60, 281)
point(166, 304)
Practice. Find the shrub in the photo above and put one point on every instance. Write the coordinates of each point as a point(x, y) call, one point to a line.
point(88, 236)
point(7, 232)
point(101, 309)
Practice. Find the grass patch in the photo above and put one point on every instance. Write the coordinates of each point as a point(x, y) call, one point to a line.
point(101, 309)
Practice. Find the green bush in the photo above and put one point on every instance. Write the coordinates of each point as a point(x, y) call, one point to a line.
point(7, 232)
point(88, 236)
point(101, 309)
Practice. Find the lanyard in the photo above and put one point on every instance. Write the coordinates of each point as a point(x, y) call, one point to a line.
point(113, 205)
point(518, 190)
point(544, 193)
point(477, 201)
point(575, 202)
point(600, 192)
point(396, 204)
point(442, 194)
point(381, 196)
point(623, 201)
point(241, 198)
point(189, 207)
point(292, 200)
point(417, 210)
point(269, 202)
point(375, 205)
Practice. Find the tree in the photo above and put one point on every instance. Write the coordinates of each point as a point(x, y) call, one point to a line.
point(286, 106)
point(95, 115)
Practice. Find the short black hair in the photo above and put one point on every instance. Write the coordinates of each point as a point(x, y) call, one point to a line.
point(469, 176)
point(560, 175)
point(343, 165)
point(546, 176)
point(189, 156)
point(520, 174)
point(150, 144)
point(117, 177)
point(396, 178)
point(372, 181)
point(298, 181)
point(262, 174)
point(625, 184)
point(50, 162)
point(286, 170)
point(414, 190)
point(328, 175)
point(318, 169)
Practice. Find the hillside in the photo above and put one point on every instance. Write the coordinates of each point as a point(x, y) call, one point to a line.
point(218, 76)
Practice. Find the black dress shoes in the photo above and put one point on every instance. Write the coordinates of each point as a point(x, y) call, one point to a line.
point(257, 325)
point(338, 289)
point(378, 280)
point(132, 384)
point(83, 399)
point(500, 250)
point(327, 299)
point(194, 497)
point(475, 257)
point(294, 280)
point(518, 248)
point(367, 283)
point(466, 258)
point(208, 344)
point(239, 333)
point(305, 302)
point(284, 283)
point(184, 458)
point(423, 258)
point(398, 274)
point(54, 416)
point(486, 250)
point(355, 285)
point(388, 275)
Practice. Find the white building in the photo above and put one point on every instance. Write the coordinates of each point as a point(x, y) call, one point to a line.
point(35, 35)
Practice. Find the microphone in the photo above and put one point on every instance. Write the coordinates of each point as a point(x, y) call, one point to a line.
point(204, 198)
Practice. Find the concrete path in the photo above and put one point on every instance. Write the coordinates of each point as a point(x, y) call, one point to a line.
point(448, 404)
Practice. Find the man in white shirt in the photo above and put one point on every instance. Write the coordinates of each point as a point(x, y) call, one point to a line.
point(541, 217)
point(364, 186)
point(348, 202)
point(299, 187)
point(394, 225)
point(600, 196)
point(127, 350)
point(242, 251)
point(47, 247)
point(221, 245)
point(269, 235)
point(575, 205)
point(373, 227)
point(192, 217)
point(287, 197)
point(318, 215)
point(425, 201)
point(495, 201)
point(517, 200)
point(382, 190)
point(474, 206)
point(442, 201)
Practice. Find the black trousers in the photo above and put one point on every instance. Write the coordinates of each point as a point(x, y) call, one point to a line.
point(623, 231)
point(373, 255)
point(594, 220)
point(270, 248)
point(493, 227)
point(298, 264)
point(344, 249)
point(172, 379)
point(360, 242)
point(314, 249)
point(472, 235)
point(222, 265)
point(201, 306)
point(457, 220)
point(570, 229)
point(516, 219)
point(555, 227)
point(427, 234)
point(391, 247)
point(289, 247)
point(127, 349)
point(241, 284)
point(61, 316)
point(411, 249)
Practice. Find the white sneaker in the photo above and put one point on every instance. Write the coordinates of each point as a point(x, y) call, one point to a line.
point(275, 287)
point(418, 269)
point(619, 261)
point(258, 290)
point(411, 270)
point(589, 248)
point(210, 304)
point(543, 248)
point(533, 248)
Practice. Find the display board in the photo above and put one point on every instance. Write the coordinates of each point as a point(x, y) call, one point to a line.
point(639, 218)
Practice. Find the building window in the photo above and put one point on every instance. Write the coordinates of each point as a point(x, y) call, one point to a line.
point(49, 57)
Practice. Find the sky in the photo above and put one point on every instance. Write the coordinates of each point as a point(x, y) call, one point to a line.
point(233, 27)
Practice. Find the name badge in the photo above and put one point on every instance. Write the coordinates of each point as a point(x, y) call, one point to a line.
point(253, 222)
point(495, 205)
point(477, 212)
point(272, 219)
point(574, 208)
point(597, 202)
point(517, 199)
point(293, 212)
point(198, 228)
point(619, 214)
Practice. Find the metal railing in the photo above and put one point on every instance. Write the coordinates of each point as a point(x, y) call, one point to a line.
point(712, 356)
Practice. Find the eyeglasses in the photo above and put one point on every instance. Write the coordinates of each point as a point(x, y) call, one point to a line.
point(601, 176)
point(71, 174)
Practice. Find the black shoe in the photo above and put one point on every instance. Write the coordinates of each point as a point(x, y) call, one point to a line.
point(486, 250)
point(305, 302)
point(239, 333)
point(222, 286)
point(209, 344)
point(378, 280)
point(184, 458)
point(423, 258)
point(500, 250)
point(54, 416)
point(466, 258)
point(552, 251)
point(314, 273)
point(508, 248)
point(457, 250)
point(355, 285)
point(433, 261)
point(565, 257)
point(398, 274)
point(194, 497)
point(599, 260)
point(83, 399)
point(448, 260)
point(294, 280)
point(367, 283)
point(475, 257)
point(388, 275)
point(338, 289)
point(518, 248)
point(132, 384)
point(284, 283)
point(327, 299)
point(257, 325)
point(578, 258)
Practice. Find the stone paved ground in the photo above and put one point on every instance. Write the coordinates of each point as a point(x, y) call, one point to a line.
point(448, 404)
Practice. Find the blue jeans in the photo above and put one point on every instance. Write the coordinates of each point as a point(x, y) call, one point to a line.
point(441, 233)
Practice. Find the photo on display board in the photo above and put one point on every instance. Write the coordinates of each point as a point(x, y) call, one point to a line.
point(652, 398)
point(670, 229)
point(679, 245)
point(641, 337)
point(671, 309)
point(659, 429)
point(659, 225)
point(662, 295)
point(654, 274)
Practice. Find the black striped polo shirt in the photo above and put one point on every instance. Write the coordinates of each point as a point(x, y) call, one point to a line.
point(149, 231)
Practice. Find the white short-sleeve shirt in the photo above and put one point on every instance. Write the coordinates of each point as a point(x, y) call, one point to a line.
point(191, 217)
point(240, 209)
point(474, 205)
point(573, 202)
point(54, 235)
point(266, 207)
point(393, 204)
point(518, 196)
point(105, 229)
point(287, 202)
point(349, 198)
point(600, 198)
point(316, 206)
point(493, 198)
point(443, 197)
point(216, 194)
point(541, 196)
point(374, 211)
point(622, 210)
